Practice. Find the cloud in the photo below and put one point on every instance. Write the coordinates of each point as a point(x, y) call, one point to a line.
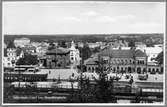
point(147, 27)
point(146, 24)
point(114, 18)
point(105, 19)
point(72, 18)
point(90, 13)
point(125, 17)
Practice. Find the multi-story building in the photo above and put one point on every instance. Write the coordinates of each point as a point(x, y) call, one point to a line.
point(56, 58)
point(127, 60)
point(11, 55)
point(74, 54)
point(21, 42)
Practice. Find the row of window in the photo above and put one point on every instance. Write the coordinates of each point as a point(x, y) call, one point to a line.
point(119, 61)
point(11, 54)
point(122, 68)
point(43, 78)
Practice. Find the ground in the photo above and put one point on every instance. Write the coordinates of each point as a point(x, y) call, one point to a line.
point(59, 73)
point(66, 73)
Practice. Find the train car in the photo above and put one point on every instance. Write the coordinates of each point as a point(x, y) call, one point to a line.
point(122, 88)
point(152, 92)
point(24, 77)
point(46, 85)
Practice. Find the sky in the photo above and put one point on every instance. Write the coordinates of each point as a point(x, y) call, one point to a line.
point(83, 17)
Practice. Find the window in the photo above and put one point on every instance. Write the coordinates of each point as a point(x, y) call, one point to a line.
point(114, 69)
point(92, 69)
point(8, 59)
point(130, 61)
point(122, 61)
point(126, 61)
point(89, 69)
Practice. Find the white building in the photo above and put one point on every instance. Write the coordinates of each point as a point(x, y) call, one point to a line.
point(21, 42)
point(11, 55)
point(152, 52)
point(74, 54)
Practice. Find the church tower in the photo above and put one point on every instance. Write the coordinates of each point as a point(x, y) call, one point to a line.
point(74, 54)
point(11, 54)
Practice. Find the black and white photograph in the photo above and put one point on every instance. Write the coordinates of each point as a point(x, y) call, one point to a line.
point(83, 52)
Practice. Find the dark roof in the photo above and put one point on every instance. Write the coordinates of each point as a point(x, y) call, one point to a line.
point(118, 53)
point(91, 61)
point(139, 53)
point(58, 51)
point(11, 45)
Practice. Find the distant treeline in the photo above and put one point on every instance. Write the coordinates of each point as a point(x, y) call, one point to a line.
point(85, 37)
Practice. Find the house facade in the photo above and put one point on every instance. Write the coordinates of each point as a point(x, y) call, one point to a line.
point(74, 54)
point(120, 60)
point(56, 58)
point(11, 55)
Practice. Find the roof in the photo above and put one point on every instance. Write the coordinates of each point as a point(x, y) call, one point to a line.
point(118, 53)
point(58, 51)
point(154, 50)
point(139, 53)
point(122, 53)
point(11, 45)
point(91, 61)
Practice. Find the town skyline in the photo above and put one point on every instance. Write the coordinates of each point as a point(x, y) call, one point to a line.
point(83, 52)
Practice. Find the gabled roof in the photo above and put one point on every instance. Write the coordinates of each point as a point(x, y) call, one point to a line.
point(139, 53)
point(118, 53)
point(91, 61)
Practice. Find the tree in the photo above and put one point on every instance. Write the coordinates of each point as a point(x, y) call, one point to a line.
point(28, 59)
point(51, 46)
point(131, 43)
point(96, 50)
point(104, 89)
point(62, 44)
point(85, 52)
point(159, 58)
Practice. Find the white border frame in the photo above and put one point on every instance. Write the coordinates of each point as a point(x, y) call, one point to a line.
point(91, 104)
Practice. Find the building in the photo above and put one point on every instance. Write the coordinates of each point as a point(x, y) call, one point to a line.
point(56, 58)
point(29, 49)
point(74, 54)
point(11, 55)
point(118, 43)
point(93, 45)
point(25, 73)
point(21, 42)
point(152, 53)
point(122, 60)
point(140, 45)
